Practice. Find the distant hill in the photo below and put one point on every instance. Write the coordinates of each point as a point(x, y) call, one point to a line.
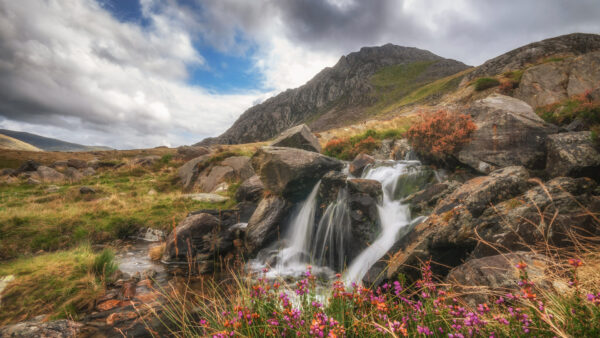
point(46, 143)
point(7, 142)
point(362, 84)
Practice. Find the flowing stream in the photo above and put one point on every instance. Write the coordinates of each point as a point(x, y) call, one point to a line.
point(322, 243)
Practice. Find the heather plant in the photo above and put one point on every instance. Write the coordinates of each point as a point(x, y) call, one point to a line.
point(440, 134)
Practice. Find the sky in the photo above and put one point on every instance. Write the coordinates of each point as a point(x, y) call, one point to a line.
point(146, 73)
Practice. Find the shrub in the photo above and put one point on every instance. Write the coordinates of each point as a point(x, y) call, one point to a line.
point(339, 148)
point(485, 83)
point(367, 145)
point(441, 134)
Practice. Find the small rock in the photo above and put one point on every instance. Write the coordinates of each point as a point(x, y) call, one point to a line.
point(33, 181)
point(52, 189)
point(118, 317)
point(37, 328)
point(88, 171)
point(209, 198)
point(108, 305)
point(86, 190)
point(151, 192)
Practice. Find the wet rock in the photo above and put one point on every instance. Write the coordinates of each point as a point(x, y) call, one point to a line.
point(250, 190)
point(423, 201)
point(508, 133)
point(188, 173)
point(417, 177)
point(73, 175)
point(85, 190)
point(331, 183)
point(204, 197)
point(37, 328)
point(360, 162)
point(48, 174)
point(480, 279)
point(76, 163)
point(401, 150)
point(29, 165)
point(573, 154)
point(290, 172)
point(299, 137)
point(364, 196)
point(151, 235)
point(190, 152)
point(264, 225)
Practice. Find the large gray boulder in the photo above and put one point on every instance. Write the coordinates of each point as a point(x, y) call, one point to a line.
point(508, 133)
point(298, 137)
point(214, 176)
point(480, 280)
point(188, 173)
point(61, 328)
point(552, 82)
point(49, 175)
point(290, 172)
point(265, 224)
point(573, 154)
point(241, 166)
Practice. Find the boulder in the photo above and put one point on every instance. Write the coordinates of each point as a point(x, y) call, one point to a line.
point(188, 153)
point(508, 133)
point(360, 162)
point(188, 173)
point(88, 171)
point(48, 174)
point(250, 190)
point(264, 225)
point(8, 172)
point(146, 161)
point(241, 166)
point(290, 172)
point(205, 197)
point(423, 201)
point(29, 165)
point(573, 154)
point(76, 163)
point(62, 328)
point(214, 176)
point(363, 197)
point(87, 190)
point(298, 137)
point(552, 82)
point(59, 165)
point(480, 280)
point(32, 181)
point(73, 175)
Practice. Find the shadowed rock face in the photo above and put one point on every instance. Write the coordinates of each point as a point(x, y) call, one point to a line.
point(335, 94)
point(508, 133)
point(571, 44)
point(573, 154)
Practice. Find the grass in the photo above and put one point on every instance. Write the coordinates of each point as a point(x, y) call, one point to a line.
point(348, 147)
point(32, 219)
point(485, 83)
point(62, 284)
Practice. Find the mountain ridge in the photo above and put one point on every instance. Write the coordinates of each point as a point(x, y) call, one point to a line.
point(48, 143)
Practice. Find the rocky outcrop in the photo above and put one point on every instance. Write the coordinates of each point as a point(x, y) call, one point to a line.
point(188, 173)
point(290, 172)
point(334, 96)
point(62, 328)
point(481, 279)
point(573, 154)
point(49, 175)
point(250, 190)
point(264, 225)
point(298, 137)
point(242, 169)
point(552, 82)
point(76, 163)
point(360, 162)
point(508, 133)
point(571, 44)
point(213, 176)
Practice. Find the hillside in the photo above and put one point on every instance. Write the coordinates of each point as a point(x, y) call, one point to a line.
point(358, 86)
point(47, 143)
point(7, 142)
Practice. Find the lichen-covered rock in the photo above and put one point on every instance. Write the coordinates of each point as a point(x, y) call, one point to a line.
point(508, 133)
point(298, 137)
point(188, 173)
point(360, 162)
point(265, 223)
point(573, 154)
point(62, 328)
point(290, 172)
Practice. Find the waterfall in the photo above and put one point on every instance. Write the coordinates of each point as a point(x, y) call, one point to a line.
point(393, 216)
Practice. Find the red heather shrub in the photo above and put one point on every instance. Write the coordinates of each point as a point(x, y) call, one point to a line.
point(440, 134)
point(506, 87)
point(367, 145)
point(339, 148)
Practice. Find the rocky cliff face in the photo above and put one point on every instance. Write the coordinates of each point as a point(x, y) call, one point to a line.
point(341, 92)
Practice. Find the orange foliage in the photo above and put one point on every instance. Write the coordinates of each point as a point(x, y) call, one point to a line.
point(440, 134)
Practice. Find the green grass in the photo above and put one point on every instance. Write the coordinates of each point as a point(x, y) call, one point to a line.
point(348, 148)
point(62, 284)
point(485, 83)
point(436, 88)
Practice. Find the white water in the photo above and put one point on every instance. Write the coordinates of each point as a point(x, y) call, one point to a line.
point(393, 216)
point(323, 244)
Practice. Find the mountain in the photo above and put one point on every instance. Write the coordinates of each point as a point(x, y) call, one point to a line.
point(46, 143)
point(361, 84)
point(7, 142)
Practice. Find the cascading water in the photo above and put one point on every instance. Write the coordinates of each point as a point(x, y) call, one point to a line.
point(323, 244)
point(393, 216)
